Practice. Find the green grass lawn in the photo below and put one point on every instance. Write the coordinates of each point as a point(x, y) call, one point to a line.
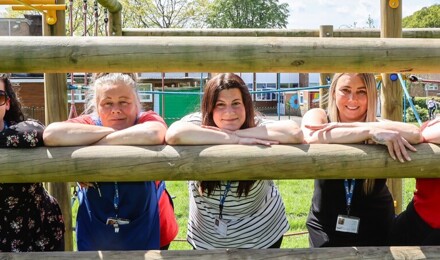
point(296, 194)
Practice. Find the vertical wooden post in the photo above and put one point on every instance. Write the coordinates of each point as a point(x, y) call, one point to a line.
point(324, 31)
point(391, 91)
point(55, 103)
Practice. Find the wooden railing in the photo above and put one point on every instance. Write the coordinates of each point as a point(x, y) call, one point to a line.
point(213, 32)
point(431, 252)
point(241, 54)
point(217, 162)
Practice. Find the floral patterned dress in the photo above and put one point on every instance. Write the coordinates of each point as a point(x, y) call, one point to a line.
point(30, 219)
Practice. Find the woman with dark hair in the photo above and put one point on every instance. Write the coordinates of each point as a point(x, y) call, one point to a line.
point(233, 214)
point(30, 219)
point(354, 212)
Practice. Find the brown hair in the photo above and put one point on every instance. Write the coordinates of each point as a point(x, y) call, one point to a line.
point(370, 83)
point(14, 114)
point(212, 90)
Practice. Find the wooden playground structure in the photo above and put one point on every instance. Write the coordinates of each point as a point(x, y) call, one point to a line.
point(237, 50)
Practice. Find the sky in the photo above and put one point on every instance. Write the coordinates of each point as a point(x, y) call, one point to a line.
point(310, 14)
point(342, 14)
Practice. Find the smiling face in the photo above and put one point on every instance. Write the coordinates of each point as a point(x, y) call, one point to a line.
point(351, 98)
point(116, 106)
point(229, 112)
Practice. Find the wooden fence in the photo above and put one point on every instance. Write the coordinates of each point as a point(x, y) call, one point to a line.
point(431, 252)
point(217, 162)
point(240, 54)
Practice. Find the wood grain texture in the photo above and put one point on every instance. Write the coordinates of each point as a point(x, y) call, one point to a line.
point(240, 54)
point(217, 162)
point(431, 252)
point(358, 32)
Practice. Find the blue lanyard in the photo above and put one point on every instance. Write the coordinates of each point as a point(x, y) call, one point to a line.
point(223, 198)
point(116, 199)
point(349, 193)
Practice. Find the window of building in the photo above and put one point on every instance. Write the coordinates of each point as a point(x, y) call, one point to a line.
point(431, 86)
point(144, 87)
point(78, 94)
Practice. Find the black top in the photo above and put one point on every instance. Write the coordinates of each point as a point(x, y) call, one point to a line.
point(375, 210)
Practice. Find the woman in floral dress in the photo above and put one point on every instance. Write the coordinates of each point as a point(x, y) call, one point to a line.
point(30, 219)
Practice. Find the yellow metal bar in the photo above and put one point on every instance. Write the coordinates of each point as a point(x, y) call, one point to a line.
point(26, 4)
point(32, 2)
point(39, 7)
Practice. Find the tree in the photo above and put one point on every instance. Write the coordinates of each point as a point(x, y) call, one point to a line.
point(163, 13)
point(427, 17)
point(135, 14)
point(247, 14)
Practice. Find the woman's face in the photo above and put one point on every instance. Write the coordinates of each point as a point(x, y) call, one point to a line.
point(351, 98)
point(117, 106)
point(229, 112)
point(5, 106)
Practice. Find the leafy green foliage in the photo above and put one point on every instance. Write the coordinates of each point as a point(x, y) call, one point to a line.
point(423, 113)
point(422, 102)
point(163, 13)
point(247, 14)
point(427, 17)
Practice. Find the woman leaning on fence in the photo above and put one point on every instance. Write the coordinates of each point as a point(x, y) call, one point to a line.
point(354, 212)
point(30, 219)
point(118, 215)
point(419, 224)
point(233, 214)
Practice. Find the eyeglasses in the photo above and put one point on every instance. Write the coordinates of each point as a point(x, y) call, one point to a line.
point(3, 97)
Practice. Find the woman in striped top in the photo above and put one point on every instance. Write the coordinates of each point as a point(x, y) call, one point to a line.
point(233, 214)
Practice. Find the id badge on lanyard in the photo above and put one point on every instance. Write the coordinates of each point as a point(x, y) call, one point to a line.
point(220, 225)
point(347, 223)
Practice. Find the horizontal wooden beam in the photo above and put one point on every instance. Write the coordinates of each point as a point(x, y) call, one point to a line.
point(426, 252)
point(226, 54)
point(113, 6)
point(368, 33)
point(218, 162)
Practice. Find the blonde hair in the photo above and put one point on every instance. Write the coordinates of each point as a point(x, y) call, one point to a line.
point(106, 79)
point(370, 83)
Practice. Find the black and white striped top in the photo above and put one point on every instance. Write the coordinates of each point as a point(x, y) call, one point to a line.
point(254, 221)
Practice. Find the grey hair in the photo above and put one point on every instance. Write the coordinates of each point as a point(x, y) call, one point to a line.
point(106, 79)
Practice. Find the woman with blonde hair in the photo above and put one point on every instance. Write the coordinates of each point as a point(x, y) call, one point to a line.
point(354, 212)
point(117, 215)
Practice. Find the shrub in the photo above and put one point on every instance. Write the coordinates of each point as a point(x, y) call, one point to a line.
point(423, 113)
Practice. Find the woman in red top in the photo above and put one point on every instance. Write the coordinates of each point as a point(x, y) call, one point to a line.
point(113, 215)
point(419, 224)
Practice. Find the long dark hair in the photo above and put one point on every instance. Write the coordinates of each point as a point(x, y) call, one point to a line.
point(14, 114)
point(212, 90)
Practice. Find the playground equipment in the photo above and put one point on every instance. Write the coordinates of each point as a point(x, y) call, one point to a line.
point(265, 54)
point(48, 7)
